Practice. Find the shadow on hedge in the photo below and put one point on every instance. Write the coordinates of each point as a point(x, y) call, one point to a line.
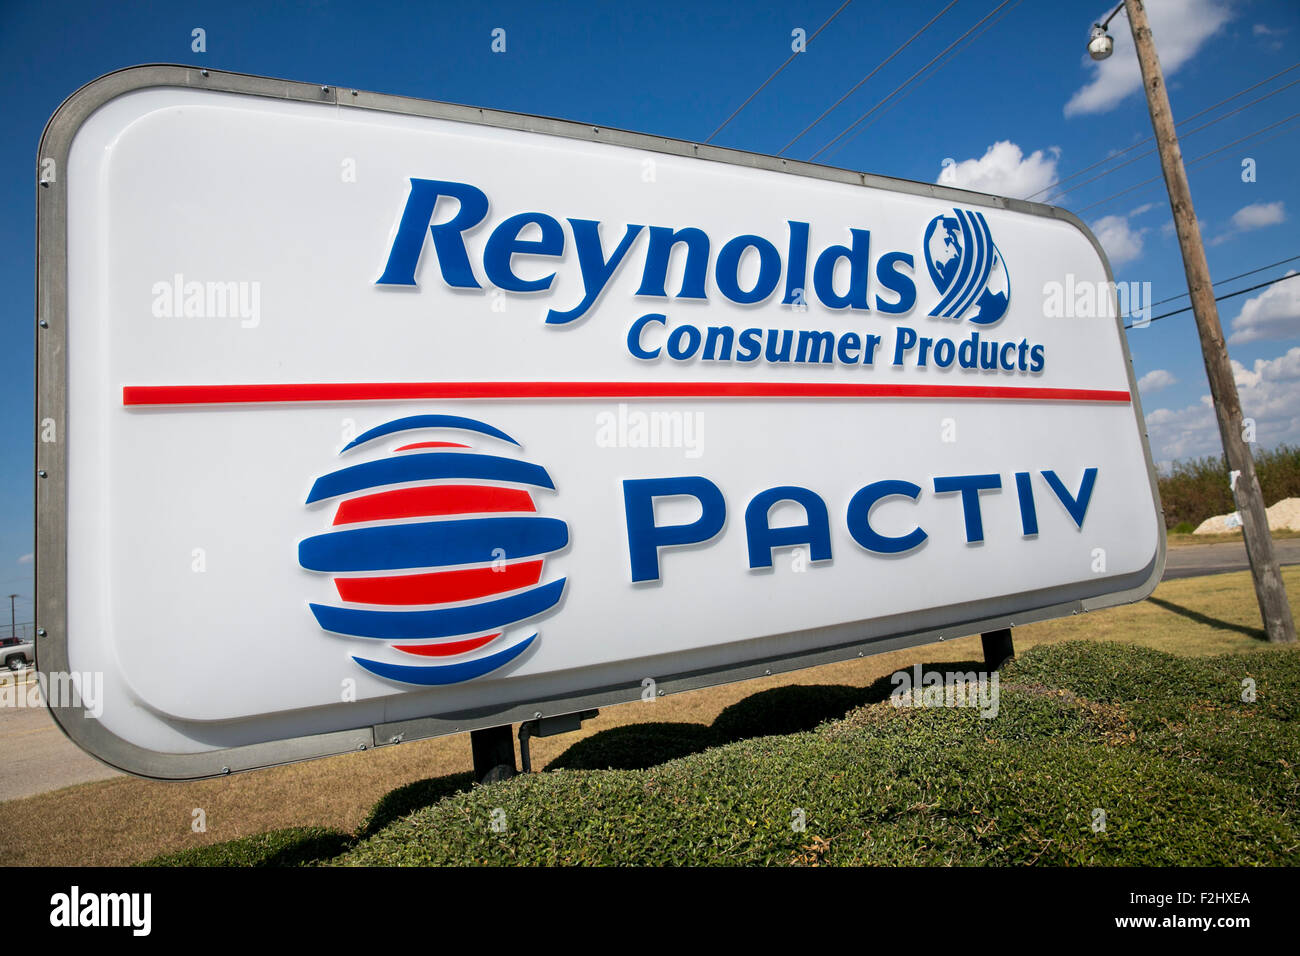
point(295, 846)
point(635, 747)
point(414, 796)
point(779, 711)
point(311, 849)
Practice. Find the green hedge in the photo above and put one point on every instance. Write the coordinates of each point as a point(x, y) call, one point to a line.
point(1186, 771)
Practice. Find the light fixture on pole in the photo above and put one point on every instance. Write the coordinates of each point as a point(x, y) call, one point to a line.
point(1100, 44)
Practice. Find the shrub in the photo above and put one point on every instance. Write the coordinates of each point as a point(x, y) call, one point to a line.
point(1198, 488)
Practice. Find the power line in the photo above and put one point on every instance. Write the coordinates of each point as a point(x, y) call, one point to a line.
point(1208, 109)
point(952, 56)
point(906, 82)
point(1235, 142)
point(1218, 298)
point(788, 61)
point(881, 65)
point(1190, 132)
point(1128, 149)
point(1146, 182)
point(1242, 275)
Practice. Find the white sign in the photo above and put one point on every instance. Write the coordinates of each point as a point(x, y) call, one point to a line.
point(380, 418)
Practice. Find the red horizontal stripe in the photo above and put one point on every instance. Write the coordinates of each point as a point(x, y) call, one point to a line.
point(433, 500)
point(402, 391)
point(432, 444)
point(440, 587)
point(447, 648)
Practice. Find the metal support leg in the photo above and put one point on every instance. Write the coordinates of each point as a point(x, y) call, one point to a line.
point(494, 754)
point(998, 649)
point(526, 731)
point(549, 727)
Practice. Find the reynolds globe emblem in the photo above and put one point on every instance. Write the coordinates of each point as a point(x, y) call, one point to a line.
point(436, 550)
point(966, 268)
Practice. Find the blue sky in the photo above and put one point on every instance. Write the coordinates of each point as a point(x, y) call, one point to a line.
point(1016, 109)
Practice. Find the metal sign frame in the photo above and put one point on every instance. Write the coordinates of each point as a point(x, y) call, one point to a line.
point(51, 457)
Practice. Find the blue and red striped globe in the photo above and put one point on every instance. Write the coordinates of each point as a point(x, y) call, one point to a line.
point(436, 550)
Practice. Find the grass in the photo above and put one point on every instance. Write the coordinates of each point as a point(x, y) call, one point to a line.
point(307, 812)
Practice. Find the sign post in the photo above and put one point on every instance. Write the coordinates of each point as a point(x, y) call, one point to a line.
point(494, 754)
point(998, 648)
point(369, 419)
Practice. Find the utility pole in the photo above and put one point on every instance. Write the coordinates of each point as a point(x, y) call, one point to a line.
point(1273, 603)
point(13, 628)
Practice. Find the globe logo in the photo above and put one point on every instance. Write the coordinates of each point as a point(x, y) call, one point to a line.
point(966, 268)
point(436, 550)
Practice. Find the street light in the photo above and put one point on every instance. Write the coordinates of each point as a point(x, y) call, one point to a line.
point(1100, 45)
point(1274, 606)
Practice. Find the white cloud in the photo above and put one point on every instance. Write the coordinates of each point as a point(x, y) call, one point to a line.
point(1264, 31)
point(1270, 394)
point(1155, 380)
point(1284, 368)
point(1004, 170)
point(1179, 30)
point(1273, 314)
point(1259, 214)
point(27, 559)
point(1121, 242)
point(1144, 208)
point(1255, 216)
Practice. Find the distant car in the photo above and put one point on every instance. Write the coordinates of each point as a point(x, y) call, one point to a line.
point(17, 655)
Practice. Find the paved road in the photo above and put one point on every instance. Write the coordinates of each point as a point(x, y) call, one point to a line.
point(35, 756)
point(1192, 560)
